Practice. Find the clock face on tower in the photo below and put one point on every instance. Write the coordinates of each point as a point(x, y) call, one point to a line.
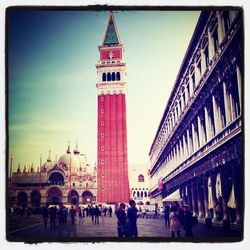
point(114, 54)
point(110, 55)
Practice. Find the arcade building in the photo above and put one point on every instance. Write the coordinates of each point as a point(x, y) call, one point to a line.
point(197, 156)
point(70, 180)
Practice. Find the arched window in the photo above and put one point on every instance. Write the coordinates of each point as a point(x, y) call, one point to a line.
point(104, 77)
point(140, 178)
point(138, 194)
point(56, 179)
point(145, 194)
point(134, 193)
point(113, 76)
point(141, 193)
point(109, 77)
point(118, 76)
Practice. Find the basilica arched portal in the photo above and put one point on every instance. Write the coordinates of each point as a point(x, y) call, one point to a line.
point(87, 197)
point(54, 196)
point(35, 198)
point(73, 197)
point(22, 199)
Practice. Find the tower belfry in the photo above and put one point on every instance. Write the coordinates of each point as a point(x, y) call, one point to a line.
point(112, 166)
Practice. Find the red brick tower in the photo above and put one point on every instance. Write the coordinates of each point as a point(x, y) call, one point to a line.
point(112, 165)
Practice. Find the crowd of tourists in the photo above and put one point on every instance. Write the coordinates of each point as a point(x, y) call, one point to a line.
point(176, 218)
point(61, 214)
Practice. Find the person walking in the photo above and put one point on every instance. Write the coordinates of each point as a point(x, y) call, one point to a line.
point(166, 216)
point(110, 211)
point(97, 214)
point(65, 214)
point(45, 215)
point(52, 216)
point(92, 213)
point(188, 222)
point(80, 215)
point(60, 215)
point(132, 219)
point(104, 211)
point(122, 225)
point(72, 214)
point(175, 225)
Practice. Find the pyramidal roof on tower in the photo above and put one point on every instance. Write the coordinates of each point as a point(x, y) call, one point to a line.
point(111, 36)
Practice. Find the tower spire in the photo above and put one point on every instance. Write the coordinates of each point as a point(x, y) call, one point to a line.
point(76, 151)
point(68, 150)
point(111, 35)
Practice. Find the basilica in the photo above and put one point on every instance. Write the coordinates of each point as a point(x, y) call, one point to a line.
point(70, 180)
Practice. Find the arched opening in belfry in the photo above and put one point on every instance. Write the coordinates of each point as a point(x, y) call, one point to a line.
point(108, 77)
point(104, 77)
point(118, 76)
point(113, 76)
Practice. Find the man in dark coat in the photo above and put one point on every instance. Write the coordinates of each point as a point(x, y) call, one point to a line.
point(52, 216)
point(188, 222)
point(45, 214)
point(72, 214)
point(132, 219)
point(122, 226)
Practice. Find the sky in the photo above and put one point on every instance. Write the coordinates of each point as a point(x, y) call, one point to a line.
point(52, 95)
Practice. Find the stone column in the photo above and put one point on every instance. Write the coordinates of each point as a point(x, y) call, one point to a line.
point(195, 148)
point(236, 173)
point(185, 152)
point(203, 62)
point(189, 143)
point(187, 97)
point(221, 31)
point(189, 194)
point(191, 86)
point(200, 196)
point(178, 153)
point(227, 105)
point(194, 198)
point(181, 150)
point(208, 123)
point(216, 111)
point(239, 81)
point(213, 188)
point(175, 116)
point(197, 74)
point(182, 101)
point(201, 132)
point(225, 197)
point(174, 158)
point(185, 194)
point(205, 189)
point(211, 50)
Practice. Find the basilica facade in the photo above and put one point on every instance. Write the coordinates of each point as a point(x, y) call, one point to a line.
point(196, 157)
point(70, 180)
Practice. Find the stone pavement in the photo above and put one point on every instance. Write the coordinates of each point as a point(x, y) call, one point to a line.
point(26, 228)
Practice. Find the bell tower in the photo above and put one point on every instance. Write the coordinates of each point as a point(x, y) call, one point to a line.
point(112, 167)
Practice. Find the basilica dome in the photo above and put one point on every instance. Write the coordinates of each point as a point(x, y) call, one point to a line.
point(64, 162)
